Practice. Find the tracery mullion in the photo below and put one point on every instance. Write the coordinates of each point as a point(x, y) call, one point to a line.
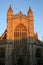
point(20, 33)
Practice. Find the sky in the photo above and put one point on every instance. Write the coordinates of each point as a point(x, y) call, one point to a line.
point(23, 5)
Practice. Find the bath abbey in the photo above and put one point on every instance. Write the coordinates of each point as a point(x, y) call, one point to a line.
point(19, 45)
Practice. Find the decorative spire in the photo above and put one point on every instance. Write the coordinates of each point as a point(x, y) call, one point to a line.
point(30, 11)
point(20, 13)
point(29, 8)
point(10, 9)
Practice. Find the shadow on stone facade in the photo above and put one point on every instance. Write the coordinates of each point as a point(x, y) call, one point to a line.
point(21, 53)
point(38, 56)
point(2, 56)
point(20, 61)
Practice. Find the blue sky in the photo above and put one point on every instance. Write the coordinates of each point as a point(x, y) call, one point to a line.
point(23, 5)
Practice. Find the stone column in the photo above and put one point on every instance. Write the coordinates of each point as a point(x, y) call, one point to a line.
point(34, 54)
point(8, 54)
point(30, 50)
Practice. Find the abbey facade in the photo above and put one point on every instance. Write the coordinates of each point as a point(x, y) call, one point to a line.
point(19, 45)
point(19, 26)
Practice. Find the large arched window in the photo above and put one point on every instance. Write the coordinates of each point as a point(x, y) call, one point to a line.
point(20, 32)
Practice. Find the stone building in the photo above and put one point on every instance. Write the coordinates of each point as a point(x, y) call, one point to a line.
point(19, 42)
point(19, 26)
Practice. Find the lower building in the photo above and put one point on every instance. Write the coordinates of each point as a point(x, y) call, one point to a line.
point(20, 53)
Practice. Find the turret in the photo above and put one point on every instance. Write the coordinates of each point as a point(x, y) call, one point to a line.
point(31, 23)
point(30, 14)
point(9, 22)
point(9, 13)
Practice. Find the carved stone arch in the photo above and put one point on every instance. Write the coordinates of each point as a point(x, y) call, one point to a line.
point(20, 32)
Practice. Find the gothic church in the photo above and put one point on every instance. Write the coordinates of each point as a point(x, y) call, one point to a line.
point(19, 26)
point(19, 44)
